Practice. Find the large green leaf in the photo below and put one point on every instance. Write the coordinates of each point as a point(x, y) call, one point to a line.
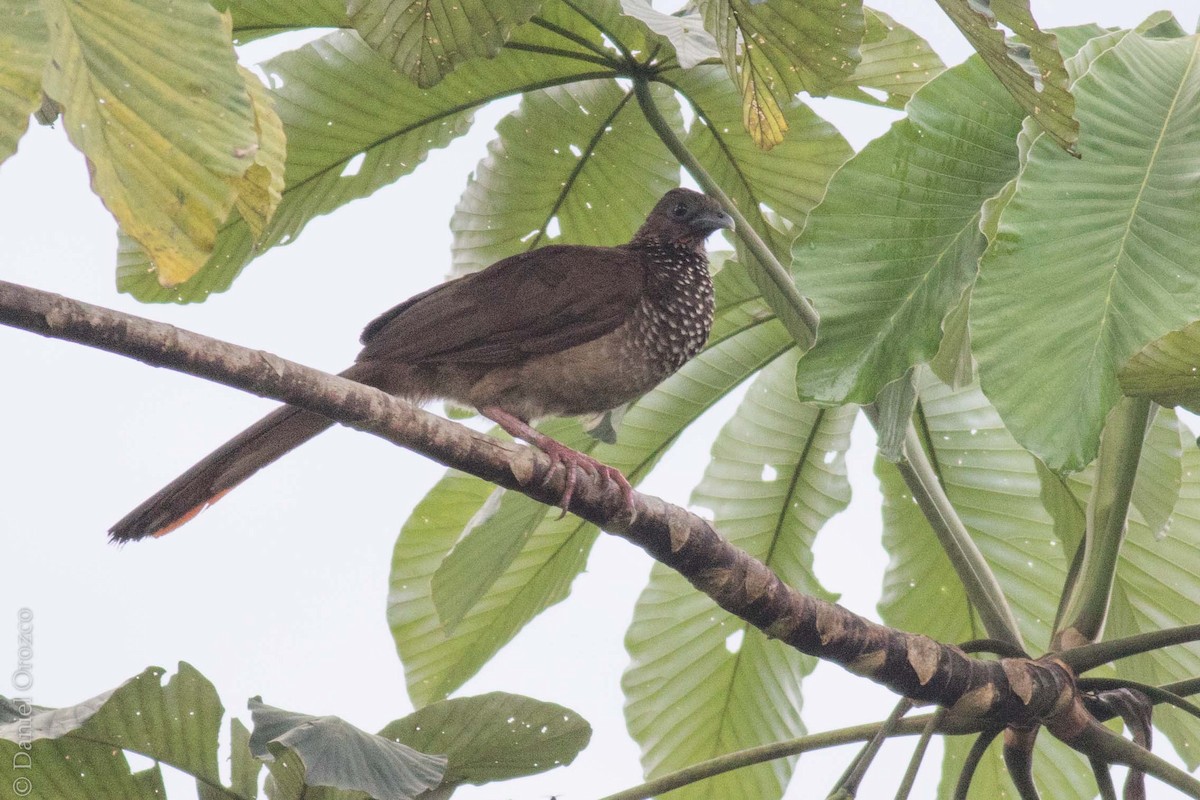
point(895, 62)
point(890, 251)
point(1031, 70)
point(702, 682)
point(565, 160)
point(776, 49)
point(426, 39)
point(338, 755)
point(1167, 370)
point(165, 130)
point(338, 100)
point(1093, 258)
point(24, 50)
point(494, 737)
point(79, 750)
point(436, 662)
point(481, 556)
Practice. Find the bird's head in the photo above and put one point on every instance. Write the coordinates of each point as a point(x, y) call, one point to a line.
point(683, 217)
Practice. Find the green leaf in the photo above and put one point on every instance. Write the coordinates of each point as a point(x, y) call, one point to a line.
point(254, 19)
point(436, 662)
point(24, 50)
point(895, 61)
point(1167, 370)
point(1161, 25)
point(684, 32)
point(775, 50)
point(260, 189)
point(953, 363)
point(494, 736)
point(1159, 473)
point(564, 159)
point(244, 769)
point(890, 251)
point(469, 571)
point(896, 404)
point(164, 130)
point(285, 781)
point(79, 750)
point(375, 113)
point(426, 39)
point(1092, 258)
point(702, 682)
point(993, 482)
point(339, 755)
point(1031, 70)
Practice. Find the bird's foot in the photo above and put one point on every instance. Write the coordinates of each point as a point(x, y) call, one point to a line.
point(571, 459)
point(574, 461)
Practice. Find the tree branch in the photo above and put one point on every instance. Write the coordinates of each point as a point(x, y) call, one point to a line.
point(980, 694)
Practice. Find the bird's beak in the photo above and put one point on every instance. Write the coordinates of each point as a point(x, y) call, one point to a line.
point(712, 220)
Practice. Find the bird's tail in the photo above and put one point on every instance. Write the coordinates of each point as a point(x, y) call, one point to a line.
point(262, 443)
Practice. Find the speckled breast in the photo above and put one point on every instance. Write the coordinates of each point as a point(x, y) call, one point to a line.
point(674, 318)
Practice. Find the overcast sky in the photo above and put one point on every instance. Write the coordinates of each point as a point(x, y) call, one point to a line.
point(280, 589)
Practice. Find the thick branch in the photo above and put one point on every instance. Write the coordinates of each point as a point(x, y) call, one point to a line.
point(979, 693)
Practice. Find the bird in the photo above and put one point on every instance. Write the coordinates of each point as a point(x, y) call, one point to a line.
point(560, 330)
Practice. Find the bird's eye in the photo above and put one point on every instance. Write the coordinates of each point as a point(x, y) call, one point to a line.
point(680, 210)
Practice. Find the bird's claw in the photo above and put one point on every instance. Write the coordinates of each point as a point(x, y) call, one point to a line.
point(573, 462)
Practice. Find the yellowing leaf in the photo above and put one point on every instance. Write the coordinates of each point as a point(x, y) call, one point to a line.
point(761, 113)
point(775, 49)
point(164, 128)
point(261, 188)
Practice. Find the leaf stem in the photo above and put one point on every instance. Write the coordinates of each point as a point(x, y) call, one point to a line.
point(1098, 741)
point(767, 752)
point(595, 23)
point(851, 779)
point(914, 763)
point(1087, 595)
point(979, 582)
point(582, 41)
point(1089, 656)
point(555, 51)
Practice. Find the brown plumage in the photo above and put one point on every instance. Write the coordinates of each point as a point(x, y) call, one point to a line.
point(562, 330)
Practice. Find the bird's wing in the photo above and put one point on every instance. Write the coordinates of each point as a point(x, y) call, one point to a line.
point(542, 301)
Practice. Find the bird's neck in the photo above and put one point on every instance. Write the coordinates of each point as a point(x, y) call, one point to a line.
point(676, 269)
point(691, 246)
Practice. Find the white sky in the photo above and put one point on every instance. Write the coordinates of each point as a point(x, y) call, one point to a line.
point(280, 589)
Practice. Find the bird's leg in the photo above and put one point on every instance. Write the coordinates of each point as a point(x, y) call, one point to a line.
point(559, 453)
